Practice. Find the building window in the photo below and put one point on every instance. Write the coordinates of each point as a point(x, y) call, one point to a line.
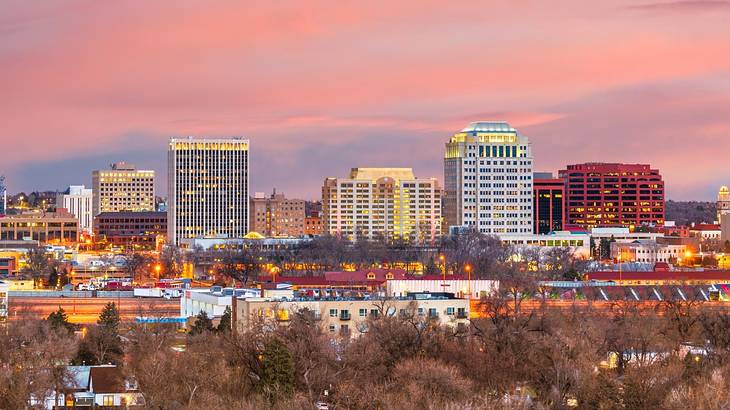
point(108, 400)
point(371, 276)
point(332, 328)
point(363, 312)
point(333, 312)
point(450, 311)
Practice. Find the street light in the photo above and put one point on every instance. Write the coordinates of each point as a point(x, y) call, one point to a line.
point(468, 272)
point(158, 268)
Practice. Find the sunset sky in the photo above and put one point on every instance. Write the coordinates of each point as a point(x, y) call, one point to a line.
point(320, 87)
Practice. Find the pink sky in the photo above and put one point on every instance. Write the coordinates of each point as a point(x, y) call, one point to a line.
point(320, 87)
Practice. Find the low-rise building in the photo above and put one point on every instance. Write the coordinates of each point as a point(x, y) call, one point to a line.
point(139, 230)
point(578, 242)
point(462, 287)
point(211, 301)
point(348, 317)
point(45, 227)
point(643, 251)
point(103, 386)
point(706, 231)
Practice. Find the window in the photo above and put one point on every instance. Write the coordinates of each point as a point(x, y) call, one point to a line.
point(432, 312)
point(333, 312)
point(371, 276)
point(363, 312)
point(332, 328)
point(108, 400)
point(450, 311)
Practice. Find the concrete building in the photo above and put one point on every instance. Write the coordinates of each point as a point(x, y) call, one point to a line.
point(488, 180)
point(388, 203)
point(644, 251)
point(44, 227)
point(78, 200)
point(623, 235)
point(723, 203)
point(3, 196)
point(602, 194)
point(277, 215)
point(725, 228)
point(347, 317)
point(123, 188)
point(137, 230)
point(208, 183)
point(706, 232)
point(548, 200)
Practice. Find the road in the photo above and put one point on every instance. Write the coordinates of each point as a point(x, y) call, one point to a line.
point(86, 310)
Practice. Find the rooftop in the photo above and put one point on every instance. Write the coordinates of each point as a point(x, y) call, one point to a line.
point(489, 126)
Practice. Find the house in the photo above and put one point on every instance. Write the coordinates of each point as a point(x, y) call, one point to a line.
point(96, 387)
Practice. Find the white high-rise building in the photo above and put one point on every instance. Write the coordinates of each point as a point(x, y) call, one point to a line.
point(208, 188)
point(78, 200)
point(383, 203)
point(488, 180)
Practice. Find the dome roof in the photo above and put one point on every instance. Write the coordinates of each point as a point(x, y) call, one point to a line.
point(489, 126)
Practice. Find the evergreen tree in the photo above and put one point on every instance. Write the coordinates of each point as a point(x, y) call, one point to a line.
point(109, 318)
point(225, 324)
point(202, 324)
point(277, 368)
point(59, 320)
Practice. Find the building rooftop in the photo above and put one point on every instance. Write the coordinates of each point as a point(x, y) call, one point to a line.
point(377, 173)
point(489, 126)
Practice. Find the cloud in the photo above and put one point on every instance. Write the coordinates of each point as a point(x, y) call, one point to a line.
point(685, 6)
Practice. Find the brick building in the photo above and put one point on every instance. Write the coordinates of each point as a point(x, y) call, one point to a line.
point(141, 230)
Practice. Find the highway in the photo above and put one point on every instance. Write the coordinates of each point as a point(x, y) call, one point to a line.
point(86, 310)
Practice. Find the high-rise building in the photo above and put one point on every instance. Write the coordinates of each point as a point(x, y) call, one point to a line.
point(208, 188)
point(78, 199)
point(488, 179)
point(601, 194)
point(276, 215)
point(723, 203)
point(548, 202)
point(123, 188)
point(382, 203)
point(3, 196)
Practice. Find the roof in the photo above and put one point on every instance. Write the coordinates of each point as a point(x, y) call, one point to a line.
point(489, 126)
point(719, 275)
point(106, 379)
point(705, 227)
point(377, 173)
point(79, 377)
point(373, 275)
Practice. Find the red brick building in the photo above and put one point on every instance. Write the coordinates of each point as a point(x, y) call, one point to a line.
point(603, 194)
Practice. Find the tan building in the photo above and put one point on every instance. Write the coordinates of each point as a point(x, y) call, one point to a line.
point(723, 203)
point(46, 227)
point(390, 203)
point(348, 317)
point(123, 188)
point(648, 252)
point(276, 215)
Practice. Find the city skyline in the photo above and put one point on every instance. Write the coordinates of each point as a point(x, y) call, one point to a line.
point(319, 90)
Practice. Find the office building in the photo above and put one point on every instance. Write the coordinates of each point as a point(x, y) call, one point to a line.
point(3, 196)
point(136, 230)
point(313, 223)
point(78, 200)
point(548, 202)
point(723, 203)
point(382, 203)
point(488, 180)
point(123, 188)
point(45, 227)
point(276, 215)
point(602, 194)
point(208, 188)
point(643, 251)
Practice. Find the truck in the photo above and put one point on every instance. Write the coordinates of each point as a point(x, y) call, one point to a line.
point(147, 293)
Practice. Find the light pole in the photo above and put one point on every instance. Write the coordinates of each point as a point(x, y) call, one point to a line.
point(468, 272)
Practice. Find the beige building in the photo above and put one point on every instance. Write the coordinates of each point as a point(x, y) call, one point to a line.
point(123, 188)
point(276, 215)
point(390, 203)
point(348, 317)
point(723, 203)
point(78, 200)
point(45, 227)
